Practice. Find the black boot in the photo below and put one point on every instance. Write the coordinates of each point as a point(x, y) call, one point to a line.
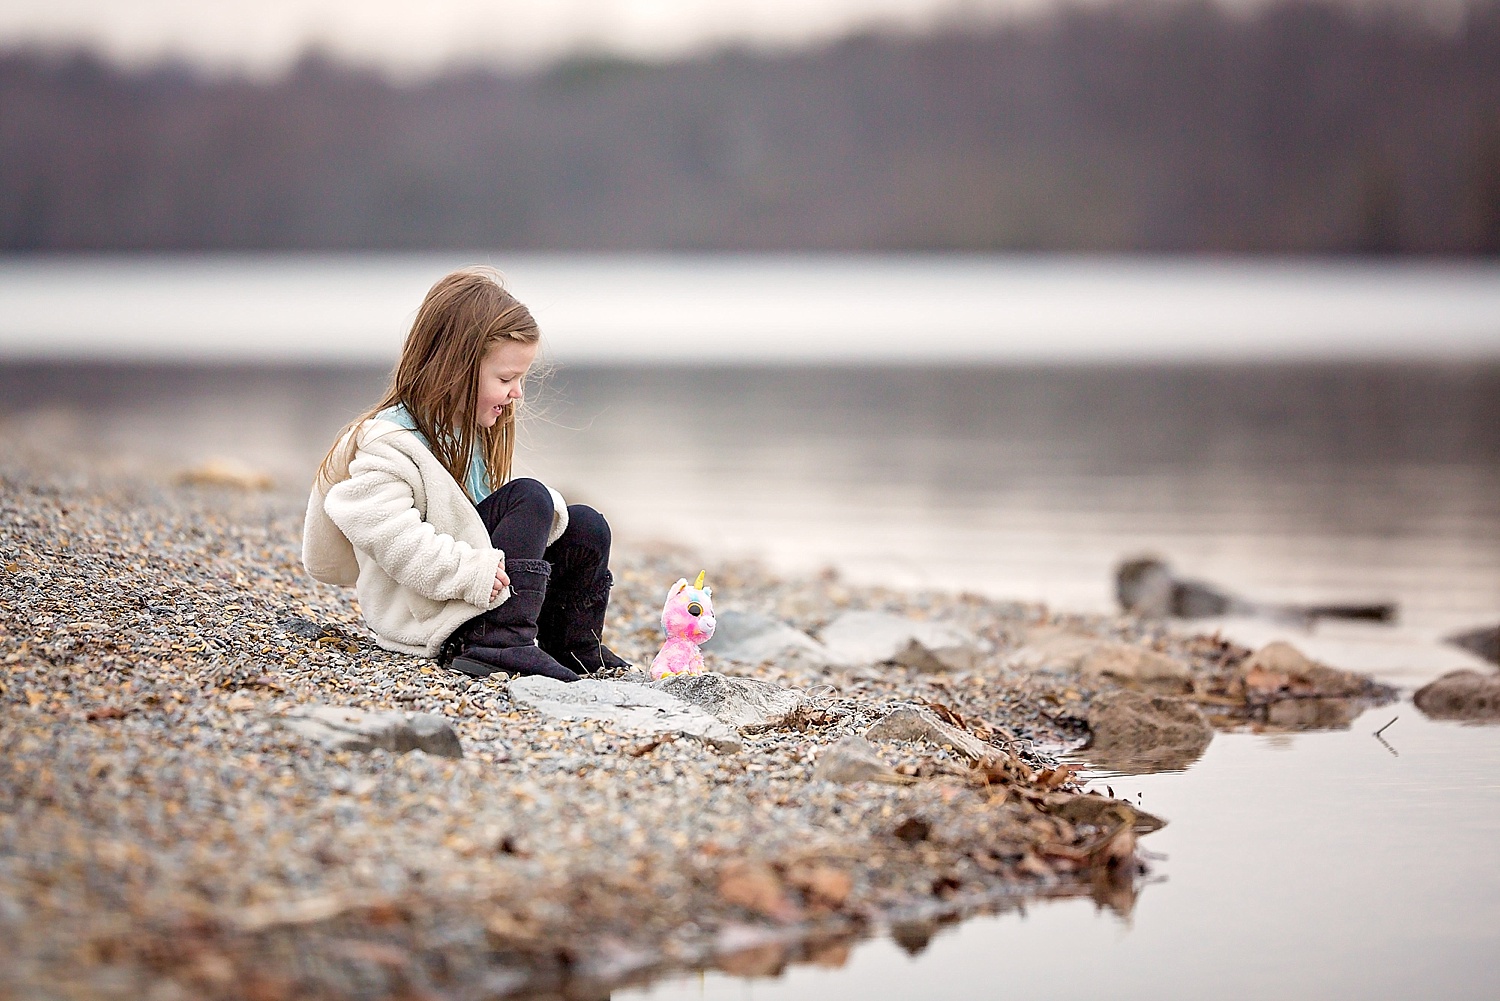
point(504, 638)
point(571, 627)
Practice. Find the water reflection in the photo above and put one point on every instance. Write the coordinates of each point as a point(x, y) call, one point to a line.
point(1297, 865)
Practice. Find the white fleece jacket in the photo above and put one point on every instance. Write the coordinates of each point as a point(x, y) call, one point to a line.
point(406, 537)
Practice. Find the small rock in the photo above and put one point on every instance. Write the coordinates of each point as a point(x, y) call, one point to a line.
point(855, 759)
point(305, 628)
point(1101, 811)
point(611, 961)
point(913, 936)
point(343, 728)
point(1483, 642)
point(744, 703)
point(1461, 695)
point(748, 638)
point(859, 638)
point(912, 723)
point(435, 735)
point(502, 983)
point(821, 884)
point(1137, 733)
point(1145, 586)
point(757, 888)
point(1136, 664)
point(1312, 714)
point(1280, 670)
point(913, 829)
point(223, 472)
point(1052, 648)
point(743, 950)
point(635, 708)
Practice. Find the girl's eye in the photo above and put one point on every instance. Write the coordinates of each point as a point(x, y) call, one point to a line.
point(694, 608)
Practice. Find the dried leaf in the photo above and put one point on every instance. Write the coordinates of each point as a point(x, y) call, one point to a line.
point(759, 961)
point(647, 746)
point(376, 953)
point(308, 910)
point(829, 955)
point(1034, 865)
point(1263, 682)
point(757, 888)
point(946, 713)
point(823, 884)
point(1054, 777)
point(505, 929)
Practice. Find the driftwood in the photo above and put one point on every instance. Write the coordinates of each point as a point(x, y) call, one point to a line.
point(1145, 586)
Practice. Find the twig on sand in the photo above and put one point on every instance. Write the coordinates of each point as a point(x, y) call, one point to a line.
point(1387, 746)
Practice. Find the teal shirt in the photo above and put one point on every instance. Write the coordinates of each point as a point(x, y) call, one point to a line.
point(477, 483)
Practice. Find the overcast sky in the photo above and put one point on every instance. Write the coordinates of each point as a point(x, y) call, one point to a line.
point(417, 35)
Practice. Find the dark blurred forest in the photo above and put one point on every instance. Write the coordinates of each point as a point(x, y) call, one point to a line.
point(1301, 127)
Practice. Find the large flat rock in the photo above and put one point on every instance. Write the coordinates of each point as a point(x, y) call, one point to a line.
point(345, 728)
point(750, 638)
point(743, 703)
point(634, 708)
point(917, 724)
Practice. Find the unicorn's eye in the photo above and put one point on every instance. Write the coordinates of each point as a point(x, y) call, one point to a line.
point(694, 608)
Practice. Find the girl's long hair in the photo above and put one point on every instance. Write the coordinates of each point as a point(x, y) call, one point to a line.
point(437, 378)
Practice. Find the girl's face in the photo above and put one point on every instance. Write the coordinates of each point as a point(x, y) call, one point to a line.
point(501, 373)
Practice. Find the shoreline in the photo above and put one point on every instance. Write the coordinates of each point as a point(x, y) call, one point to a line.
point(165, 826)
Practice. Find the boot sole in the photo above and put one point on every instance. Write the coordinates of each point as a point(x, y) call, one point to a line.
point(475, 668)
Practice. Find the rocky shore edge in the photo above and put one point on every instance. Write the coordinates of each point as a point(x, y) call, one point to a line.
point(213, 783)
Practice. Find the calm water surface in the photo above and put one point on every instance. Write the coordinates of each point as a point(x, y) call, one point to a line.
point(1306, 866)
point(1311, 865)
point(762, 307)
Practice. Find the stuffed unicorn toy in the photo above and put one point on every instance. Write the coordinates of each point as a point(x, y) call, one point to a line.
point(688, 618)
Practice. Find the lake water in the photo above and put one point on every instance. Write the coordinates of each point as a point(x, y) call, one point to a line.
point(1307, 865)
point(1297, 866)
point(763, 309)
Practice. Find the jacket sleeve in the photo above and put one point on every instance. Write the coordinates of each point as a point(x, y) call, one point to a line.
point(377, 512)
point(326, 552)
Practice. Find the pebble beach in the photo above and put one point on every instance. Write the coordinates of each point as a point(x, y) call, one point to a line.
point(165, 834)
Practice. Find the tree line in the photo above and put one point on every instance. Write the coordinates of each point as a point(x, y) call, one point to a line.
point(1304, 126)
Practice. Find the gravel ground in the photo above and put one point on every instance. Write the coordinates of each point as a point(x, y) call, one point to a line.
point(161, 836)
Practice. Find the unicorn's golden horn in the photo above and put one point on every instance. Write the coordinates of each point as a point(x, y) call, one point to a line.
point(701, 575)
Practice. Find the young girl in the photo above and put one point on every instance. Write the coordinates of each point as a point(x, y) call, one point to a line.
point(415, 508)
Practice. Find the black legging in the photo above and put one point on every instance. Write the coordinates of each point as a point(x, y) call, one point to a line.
point(519, 516)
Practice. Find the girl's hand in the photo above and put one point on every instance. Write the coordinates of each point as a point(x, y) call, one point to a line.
point(501, 580)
